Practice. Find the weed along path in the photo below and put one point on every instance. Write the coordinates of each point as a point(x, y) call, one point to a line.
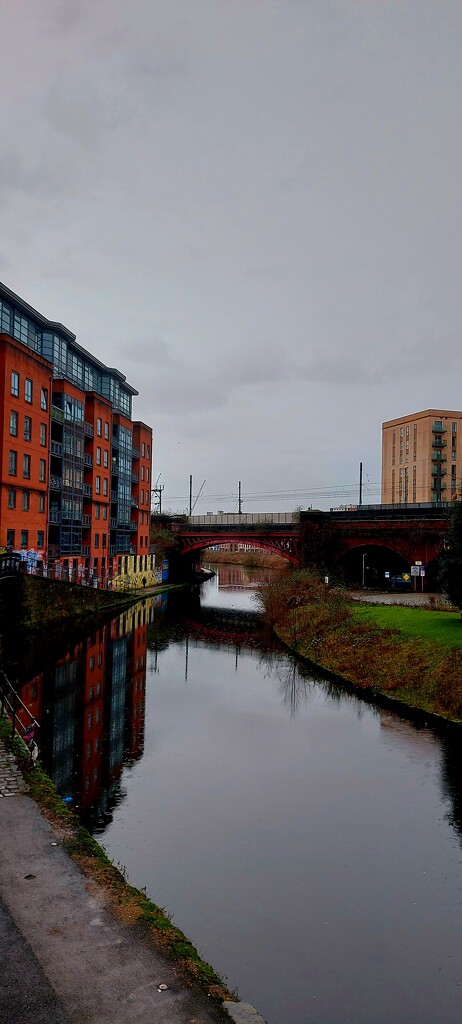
point(306, 841)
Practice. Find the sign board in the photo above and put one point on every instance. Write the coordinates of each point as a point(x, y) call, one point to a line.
point(326, 579)
point(415, 571)
point(406, 576)
point(387, 575)
point(422, 570)
point(417, 563)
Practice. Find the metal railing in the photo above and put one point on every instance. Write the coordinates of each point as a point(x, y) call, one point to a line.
point(14, 707)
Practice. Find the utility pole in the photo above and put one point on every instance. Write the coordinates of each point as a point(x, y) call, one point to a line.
point(240, 499)
point(360, 484)
point(157, 499)
point(190, 494)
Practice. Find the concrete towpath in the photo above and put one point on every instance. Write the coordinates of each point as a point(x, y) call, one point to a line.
point(65, 958)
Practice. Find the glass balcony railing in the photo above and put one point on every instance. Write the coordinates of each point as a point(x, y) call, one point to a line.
point(438, 428)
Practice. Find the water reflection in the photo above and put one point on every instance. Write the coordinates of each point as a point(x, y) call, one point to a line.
point(291, 828)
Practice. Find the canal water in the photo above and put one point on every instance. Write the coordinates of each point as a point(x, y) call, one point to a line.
point(308, 843)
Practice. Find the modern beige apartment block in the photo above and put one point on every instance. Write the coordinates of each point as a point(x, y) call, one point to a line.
point(422, 457)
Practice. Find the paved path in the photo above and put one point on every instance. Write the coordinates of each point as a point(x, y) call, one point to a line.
point(65, 958)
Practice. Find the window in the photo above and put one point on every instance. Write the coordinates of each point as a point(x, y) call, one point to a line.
point(148, 452)
point(15, 383)
point(24, 538)
point(13, 423)
point(106, 430)
point(143, 448)
point(27, 428)
point(104, 540)
point(28, 390)
point(43, 434)
point(43, 471)
point(26, 466)
point(105, 487)
point(142, 496)
point(104, 511)
point(98, 485)
point(147, 473)
point(106, 459)
point(96, 540)
point(25, 501)
point(11, 498)
point(44, 399)
point(10, 538)
point(99, 426)
point(141, 542)
point(454, 426)
point(97, 512)
point(142, 472)
point(13, 463)
point(41, 502)
point(98, 456)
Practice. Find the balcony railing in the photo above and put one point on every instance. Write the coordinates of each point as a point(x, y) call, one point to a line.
point(115, 441)
point(113, 524)
point(56, 482)
point(134, 502)
point(88, 460)
point(133, 527)
point(86, 520)
point(57, 414)
point(135, 453)
point(56, 448)
point(112, 549)
point(135, 478)
point(438, 486)
point(85, 550)
point(87, 490)
point(88, 429)
point(438, 458)
point(114, 496)
point(438, 428)
point(55, 517)
point(439, 470)
point(438, 442)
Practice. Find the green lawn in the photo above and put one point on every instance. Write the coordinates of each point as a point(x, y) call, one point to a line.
point(440, 627)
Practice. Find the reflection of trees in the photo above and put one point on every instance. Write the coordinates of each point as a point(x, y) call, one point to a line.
point(451, 779)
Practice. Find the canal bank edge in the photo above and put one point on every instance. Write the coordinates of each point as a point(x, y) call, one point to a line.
point(127, 904)
point(421, 680)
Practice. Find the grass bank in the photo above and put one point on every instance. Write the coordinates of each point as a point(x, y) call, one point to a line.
point(128, 904)
point(411, 655)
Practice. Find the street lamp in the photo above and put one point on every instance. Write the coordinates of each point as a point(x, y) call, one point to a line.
point(364, 569)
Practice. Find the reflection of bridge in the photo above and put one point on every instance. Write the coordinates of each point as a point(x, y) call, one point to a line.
point(278, 532)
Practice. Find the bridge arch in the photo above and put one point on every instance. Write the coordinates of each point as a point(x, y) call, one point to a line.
point(287, 547)
point(371, 564)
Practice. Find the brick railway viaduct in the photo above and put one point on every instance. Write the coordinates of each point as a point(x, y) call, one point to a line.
point(359, 545)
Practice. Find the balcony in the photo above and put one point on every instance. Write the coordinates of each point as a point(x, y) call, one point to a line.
point(86, 550)
point(134, 502)
point(56, 483)
point(88, 429)
point(438, 486)
point(114, 496)
point(113, 524)
point(88, 460)
point(112, 549)
point(71, 515)
point(87, 490)
point(438, 428)
point(56, 448)
point(133, 527)
point(57, 414)
point(115, 441)
point(86, 520)
point(55, 517)
point(135, 478)
point(114, 469)
point(438, 458)
point(135, 453)
point(438, 442)
point(439, 471)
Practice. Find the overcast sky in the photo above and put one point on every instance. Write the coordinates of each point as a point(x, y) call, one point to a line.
point(253, 209)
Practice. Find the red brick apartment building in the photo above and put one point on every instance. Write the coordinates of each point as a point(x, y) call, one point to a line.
point(76, 470)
